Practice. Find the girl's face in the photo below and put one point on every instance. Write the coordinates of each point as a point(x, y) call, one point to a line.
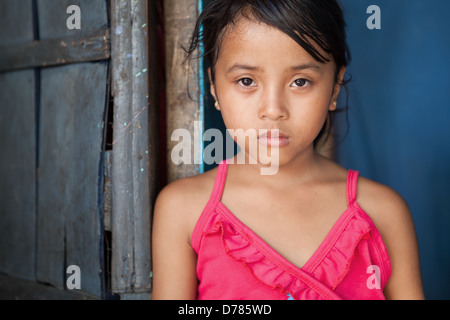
point(266, 80)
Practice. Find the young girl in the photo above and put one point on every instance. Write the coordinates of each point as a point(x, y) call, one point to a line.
point(313, 230)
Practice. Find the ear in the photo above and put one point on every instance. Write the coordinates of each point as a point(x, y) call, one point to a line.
point(212, 89)
point(337, 89)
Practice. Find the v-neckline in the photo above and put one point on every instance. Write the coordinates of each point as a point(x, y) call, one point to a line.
point(311, 264)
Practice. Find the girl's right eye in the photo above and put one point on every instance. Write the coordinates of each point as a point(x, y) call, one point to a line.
point(246, 82)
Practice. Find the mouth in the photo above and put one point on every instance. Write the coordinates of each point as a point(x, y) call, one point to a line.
point(273, 138)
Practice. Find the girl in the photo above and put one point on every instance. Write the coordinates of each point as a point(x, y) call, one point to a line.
point(313, 230)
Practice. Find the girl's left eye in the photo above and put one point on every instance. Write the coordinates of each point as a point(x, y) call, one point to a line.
point(301, 83)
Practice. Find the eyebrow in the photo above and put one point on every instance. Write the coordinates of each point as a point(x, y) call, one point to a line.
point(242, 67)
point(311, 66)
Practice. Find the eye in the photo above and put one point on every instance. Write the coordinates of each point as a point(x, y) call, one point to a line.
point(246, 82)
point(301, 83)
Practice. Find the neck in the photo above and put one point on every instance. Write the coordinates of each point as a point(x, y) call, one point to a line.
point(299, 170)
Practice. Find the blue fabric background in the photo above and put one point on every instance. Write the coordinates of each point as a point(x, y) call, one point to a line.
point(399, 117)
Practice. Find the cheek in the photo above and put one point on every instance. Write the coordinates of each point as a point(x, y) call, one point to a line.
point(234, 120)
point(309, 117)
point(312, 109)
point(237, 113)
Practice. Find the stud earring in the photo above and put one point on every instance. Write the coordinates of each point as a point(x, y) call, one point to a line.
point(217, 106)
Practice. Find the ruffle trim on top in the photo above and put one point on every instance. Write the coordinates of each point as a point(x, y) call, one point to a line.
point(332, 268)
point(265, 269)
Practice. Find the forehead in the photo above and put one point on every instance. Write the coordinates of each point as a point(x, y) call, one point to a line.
point(253, 40)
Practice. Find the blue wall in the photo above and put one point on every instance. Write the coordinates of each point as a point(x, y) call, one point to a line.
point(399, 117)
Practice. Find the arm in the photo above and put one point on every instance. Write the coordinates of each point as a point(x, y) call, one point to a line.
point(393, 219)
point(174, 260)
point(405, 282)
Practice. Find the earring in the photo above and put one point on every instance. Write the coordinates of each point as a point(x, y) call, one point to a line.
point(217, 106)
point(334, 104)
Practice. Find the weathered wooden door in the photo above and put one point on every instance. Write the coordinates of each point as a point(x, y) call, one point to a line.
point(52, 140)
point(74, 152)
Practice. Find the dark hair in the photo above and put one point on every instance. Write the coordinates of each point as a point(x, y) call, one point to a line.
point(305, 21)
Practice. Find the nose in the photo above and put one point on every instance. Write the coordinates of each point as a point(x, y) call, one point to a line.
point(273, 104)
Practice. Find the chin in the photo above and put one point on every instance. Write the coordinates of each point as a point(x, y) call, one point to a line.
point(272, 159)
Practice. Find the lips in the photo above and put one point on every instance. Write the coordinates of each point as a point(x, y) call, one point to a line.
point(273, 138)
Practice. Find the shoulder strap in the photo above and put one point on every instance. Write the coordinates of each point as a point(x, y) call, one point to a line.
point(215, 197)
point(219, 184)
point(352, 185)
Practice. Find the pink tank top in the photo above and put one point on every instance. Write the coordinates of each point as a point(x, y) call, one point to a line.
point(233, 263)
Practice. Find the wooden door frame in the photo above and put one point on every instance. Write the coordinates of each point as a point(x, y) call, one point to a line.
point(133, 166)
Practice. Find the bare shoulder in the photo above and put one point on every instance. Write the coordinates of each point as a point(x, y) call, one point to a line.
point(181, 202)
point(391, 215)
point(385, 206)
point(177, 209)
point(379, 201)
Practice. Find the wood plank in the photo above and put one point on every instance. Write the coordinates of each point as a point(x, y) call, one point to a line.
point(18, 174)
point(17, 149)
point(17, 22)
point(71, 135)
point(52, 52)
point(71, 128)
point(84, 242)
point(131, 154)
point(182, 107)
